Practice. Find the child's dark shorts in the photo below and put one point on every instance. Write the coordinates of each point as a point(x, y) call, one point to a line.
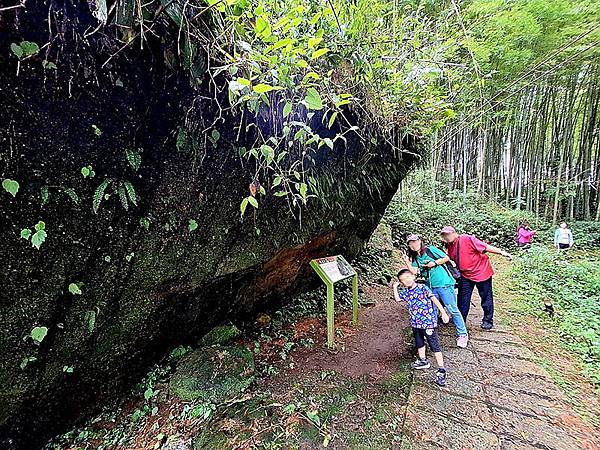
point(431, 334)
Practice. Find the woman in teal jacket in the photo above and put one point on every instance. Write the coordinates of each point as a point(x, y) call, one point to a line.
point(429, 262)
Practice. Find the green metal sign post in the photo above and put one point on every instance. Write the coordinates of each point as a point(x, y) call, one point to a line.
point(332, 269)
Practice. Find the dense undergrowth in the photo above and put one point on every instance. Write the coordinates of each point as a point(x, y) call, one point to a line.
point(571, 282)
point(415, 212)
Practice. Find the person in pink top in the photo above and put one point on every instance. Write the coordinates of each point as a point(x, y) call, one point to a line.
point(525, 234)
point(470, 256)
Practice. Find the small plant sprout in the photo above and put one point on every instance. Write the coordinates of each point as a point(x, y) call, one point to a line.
point(88, 172)
point(37, 238)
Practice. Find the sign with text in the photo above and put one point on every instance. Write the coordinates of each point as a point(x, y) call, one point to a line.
point(330, 270)
point(336, 268)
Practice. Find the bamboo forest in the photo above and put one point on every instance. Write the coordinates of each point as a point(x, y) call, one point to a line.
point(286, 224)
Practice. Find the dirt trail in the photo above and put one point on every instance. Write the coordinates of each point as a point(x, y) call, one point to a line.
point(372, 348)
point(497, 395)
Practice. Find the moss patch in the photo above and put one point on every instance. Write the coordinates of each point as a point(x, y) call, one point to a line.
point(220, 336)
point(213, 374)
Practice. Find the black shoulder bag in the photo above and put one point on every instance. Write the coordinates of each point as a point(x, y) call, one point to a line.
point(452, 270)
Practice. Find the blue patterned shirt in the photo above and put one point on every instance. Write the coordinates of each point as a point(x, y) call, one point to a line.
point(421, 309)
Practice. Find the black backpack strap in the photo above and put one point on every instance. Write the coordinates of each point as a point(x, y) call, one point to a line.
point(430, 253)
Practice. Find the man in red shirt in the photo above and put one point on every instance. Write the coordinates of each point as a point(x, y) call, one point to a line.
point(469, 254)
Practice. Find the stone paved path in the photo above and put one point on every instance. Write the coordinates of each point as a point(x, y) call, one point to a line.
point(496, 397)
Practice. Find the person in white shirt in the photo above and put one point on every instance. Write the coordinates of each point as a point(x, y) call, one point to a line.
point(563, 237)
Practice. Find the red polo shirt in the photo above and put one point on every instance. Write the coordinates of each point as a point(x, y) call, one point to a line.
point(474, 263)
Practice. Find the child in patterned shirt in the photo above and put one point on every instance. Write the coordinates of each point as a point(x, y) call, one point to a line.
point(423, 320)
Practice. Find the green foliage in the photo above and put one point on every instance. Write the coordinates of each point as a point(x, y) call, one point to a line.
point(313, 99)
point(90, 320)
point(48, 65)
point(130, 191)
point(586, 234)
point(38, 237)
point(26, 361)
point(24, 49)
point(10, 186)
point(123, 196)
point(88, 171)
point(179, 352)
point(38, 334)
point(74, 289)
point(71, 194)
point(248, 200)
point(220, 335)
point(468, 213)
point(572, 283)
point(99, 195)
point(192, 225)
point(134, 158)
point(44, 194)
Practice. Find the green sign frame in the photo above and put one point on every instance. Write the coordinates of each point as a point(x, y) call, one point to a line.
point(331, 270)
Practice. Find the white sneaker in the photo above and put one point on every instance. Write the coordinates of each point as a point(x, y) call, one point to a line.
point(462, 341)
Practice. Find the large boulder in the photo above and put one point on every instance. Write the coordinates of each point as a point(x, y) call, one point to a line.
point(118, 282)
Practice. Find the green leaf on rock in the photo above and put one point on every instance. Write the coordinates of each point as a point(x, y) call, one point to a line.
point(38, 238)
point(10, 186)
point(17, 50)
point(74, 289)
point(38, 334)
point(90, 319)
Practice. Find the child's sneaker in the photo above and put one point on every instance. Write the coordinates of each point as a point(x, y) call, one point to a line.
point(440, 377)
point(421, 364)
point(462, 341)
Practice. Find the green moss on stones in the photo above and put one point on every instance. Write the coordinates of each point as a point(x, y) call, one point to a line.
point(220, 335)
point(211, 440)
point(213, 374)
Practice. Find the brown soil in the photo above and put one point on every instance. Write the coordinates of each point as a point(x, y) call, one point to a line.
point(370, 348)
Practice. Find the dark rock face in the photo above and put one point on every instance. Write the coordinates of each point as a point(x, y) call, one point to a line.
point(147, 282)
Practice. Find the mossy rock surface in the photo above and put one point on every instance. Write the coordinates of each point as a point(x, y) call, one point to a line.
point(220, 335)
point(149, 283)
point(211, 440)
point(213, 374)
